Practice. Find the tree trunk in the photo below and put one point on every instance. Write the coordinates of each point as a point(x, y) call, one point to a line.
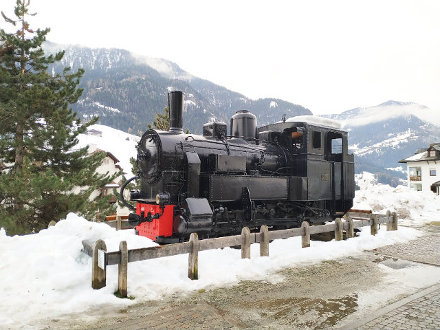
point(19, 147)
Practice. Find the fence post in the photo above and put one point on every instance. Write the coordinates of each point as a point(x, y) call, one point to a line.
point(339, 230)
point(389, 221)
point(305, 237)
point(118, 222)
point(99, 266)
point(193, 257)
point(264, 241)
point(245, 243)
point(394, 226)
point(350, 226)
point(122, 269)
point(374, 225)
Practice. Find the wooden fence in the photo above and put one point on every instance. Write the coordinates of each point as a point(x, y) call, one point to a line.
point(118, 221)
point(101, 258)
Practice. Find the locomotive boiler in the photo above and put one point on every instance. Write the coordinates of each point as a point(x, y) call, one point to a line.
point(214, 184)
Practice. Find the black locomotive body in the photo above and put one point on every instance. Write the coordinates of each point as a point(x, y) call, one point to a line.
point(215, 184)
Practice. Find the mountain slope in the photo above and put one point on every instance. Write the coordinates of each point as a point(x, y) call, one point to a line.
point(126, 91)
point(382, 135)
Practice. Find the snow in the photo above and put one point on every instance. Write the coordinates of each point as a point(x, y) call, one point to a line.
point(164, 67)
point(414, 208)
point(417, 156)
point(314, 120)
point(46, 276)
point(397, 282)
point(122, 145)
point(383, 112)
point(190, 103)
point(273, 104)
point(106, 107)
point(393, 142)
point(55, 275)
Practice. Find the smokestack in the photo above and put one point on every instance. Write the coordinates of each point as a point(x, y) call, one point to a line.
point(175, 104)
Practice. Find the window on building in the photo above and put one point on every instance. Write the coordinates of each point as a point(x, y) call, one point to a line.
point(415, 174)
point(431, 153)
point(416, 186)
point(316, 140)
point(432, 172)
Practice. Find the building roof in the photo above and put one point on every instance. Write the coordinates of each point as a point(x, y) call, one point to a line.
point(424, 155)
point(92, 131)
point(111, 185)
point(109, 154)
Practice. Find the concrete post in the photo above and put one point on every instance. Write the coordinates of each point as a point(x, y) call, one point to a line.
point(122, 269)
point(394, 226)
point(245, 243)
point(374, 224)
point(350, 230)
point(118, 222)
point(99, 266)
point(305, 237)
point(264, 241)
point(389, 221)
point(339, 230)
point(193, 257)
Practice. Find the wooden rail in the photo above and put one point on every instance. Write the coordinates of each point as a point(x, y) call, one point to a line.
point(118, 221)
point(101, 258)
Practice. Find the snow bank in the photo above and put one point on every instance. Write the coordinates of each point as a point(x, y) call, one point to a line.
point(46, 276)
point(413, 208)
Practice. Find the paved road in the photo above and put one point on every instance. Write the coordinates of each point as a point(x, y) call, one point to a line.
point(418, 311)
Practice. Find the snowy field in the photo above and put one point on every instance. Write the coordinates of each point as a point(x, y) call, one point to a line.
point(46, 276)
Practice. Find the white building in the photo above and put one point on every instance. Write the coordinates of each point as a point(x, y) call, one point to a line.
point(110, 165)
point(423, 169)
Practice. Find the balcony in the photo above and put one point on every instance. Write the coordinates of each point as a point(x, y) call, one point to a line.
point(415, 178)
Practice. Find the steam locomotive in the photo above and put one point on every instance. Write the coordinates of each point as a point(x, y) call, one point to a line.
point(215, 184)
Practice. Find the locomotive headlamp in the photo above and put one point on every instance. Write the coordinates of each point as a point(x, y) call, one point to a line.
point(162, 198)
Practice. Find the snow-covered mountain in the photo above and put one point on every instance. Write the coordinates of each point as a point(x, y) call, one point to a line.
point(382, 135)
point(386, 111)
point(126, 91)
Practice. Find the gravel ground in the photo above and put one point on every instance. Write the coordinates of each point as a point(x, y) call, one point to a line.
point(316, 296)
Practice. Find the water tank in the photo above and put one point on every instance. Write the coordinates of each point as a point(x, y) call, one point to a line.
point(244, 125)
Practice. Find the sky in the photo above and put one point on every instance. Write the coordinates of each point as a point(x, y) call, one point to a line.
point(329, 56)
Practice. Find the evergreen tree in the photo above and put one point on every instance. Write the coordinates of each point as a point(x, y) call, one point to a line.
point(162, 121)
point(42, 169)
